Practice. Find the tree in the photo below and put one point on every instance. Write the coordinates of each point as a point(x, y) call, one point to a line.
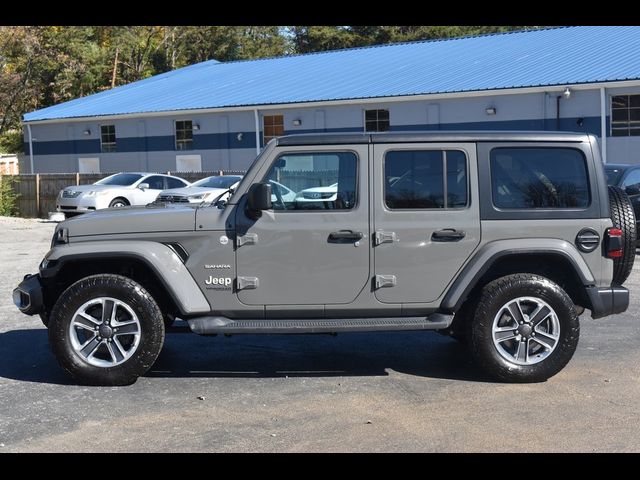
point(42, 66)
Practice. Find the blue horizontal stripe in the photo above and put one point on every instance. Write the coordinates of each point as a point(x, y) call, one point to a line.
point(225, 141)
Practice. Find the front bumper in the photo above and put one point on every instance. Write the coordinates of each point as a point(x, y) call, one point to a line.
point(607, 301)
point(28, 295)
point(81, 204)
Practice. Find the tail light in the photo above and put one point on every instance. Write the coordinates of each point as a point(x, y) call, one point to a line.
point(613, 243)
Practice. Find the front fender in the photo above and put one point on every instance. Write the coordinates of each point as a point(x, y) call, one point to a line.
point(163, 261)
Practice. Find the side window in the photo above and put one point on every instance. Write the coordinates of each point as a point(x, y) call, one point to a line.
point(175, 183)
point(272, 127)
point(376, 121)
point(314, 181)
point(108, 138)
point(184, 135)
point(525, 178)
point(415, 179)
point(155, 183)
point(631, 184)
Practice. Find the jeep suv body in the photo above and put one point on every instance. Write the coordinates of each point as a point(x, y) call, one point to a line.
point(499, 239)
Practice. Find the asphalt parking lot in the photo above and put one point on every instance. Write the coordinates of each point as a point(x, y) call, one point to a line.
point(354, 392)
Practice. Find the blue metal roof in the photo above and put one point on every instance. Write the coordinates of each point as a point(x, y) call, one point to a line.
point(558, 56)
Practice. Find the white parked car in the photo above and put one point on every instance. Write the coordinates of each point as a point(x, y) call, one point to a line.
point(210, 188)
point(118, 190)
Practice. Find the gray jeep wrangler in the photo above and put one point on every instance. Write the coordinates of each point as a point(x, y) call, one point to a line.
point(499, 239)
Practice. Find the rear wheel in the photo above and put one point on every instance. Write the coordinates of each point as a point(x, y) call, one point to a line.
point(106, 330)
point(525, 329)
point(623, 217)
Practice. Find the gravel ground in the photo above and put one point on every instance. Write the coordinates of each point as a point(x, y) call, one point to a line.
point(354, 392)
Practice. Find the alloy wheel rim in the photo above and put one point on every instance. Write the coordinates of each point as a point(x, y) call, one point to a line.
point(105, 332)
point(525, 331)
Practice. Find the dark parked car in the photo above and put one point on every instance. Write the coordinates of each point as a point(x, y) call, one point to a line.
point(627, 177)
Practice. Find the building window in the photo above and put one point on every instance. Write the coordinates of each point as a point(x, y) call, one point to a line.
point(108, 138)
point(376, 120)
point(273, 126)
point(625, 115)
point(184, 135)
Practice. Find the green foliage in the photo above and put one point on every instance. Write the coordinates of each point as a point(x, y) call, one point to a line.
point(8, 197)
point(11, 142)
point(44, 65)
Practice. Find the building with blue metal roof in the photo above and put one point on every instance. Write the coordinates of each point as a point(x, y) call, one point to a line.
point(217, 115)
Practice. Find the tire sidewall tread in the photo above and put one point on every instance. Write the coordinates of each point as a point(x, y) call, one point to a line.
point(496, 294)
point(131, 293)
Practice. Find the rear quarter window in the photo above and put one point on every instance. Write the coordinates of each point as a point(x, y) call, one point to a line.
point(545, 178)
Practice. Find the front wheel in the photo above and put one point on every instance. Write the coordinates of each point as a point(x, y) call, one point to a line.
point(106, 330)
point(525, 329)
point(118, 203)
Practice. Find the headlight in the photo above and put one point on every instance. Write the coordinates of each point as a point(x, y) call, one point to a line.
point(98, 193)
point(204, 197)
point(90, 194)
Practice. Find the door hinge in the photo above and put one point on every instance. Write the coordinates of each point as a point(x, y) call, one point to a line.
point(385, 281)
point(248, 239)
point(384, 237)
point(247, 283)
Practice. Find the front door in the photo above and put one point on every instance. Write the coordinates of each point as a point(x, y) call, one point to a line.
point(426, 219)
point(312, 248)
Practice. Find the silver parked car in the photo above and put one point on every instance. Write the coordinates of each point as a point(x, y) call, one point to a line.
point(204, 190)
point(210, 188)
point(118, 190)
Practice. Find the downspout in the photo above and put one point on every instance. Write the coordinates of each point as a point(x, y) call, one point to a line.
point(558, 112)
point(257, 127)
point(30, 146)
point(603, 125)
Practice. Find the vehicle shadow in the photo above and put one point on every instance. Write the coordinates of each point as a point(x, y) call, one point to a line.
point(25, 355)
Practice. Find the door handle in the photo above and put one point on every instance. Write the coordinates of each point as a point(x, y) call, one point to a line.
point(448, 235)
point(345, 235)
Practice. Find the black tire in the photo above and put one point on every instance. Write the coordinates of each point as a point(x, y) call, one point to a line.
point(126, 291)
point(118, 203)
point(624, 218)
point(497, 294)
point(169, 320)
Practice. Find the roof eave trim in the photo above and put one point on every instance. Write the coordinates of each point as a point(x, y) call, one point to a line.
point(367, 100)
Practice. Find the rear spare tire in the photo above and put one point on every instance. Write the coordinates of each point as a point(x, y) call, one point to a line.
point(624, 218)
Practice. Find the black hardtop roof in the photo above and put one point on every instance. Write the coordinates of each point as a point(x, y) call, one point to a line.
point(439, 136)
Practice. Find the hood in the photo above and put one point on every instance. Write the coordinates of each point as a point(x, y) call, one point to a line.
point(157, 218)
point(187, 191)
point(94, 188)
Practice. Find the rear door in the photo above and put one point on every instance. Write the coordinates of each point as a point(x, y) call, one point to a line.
point(426, 218)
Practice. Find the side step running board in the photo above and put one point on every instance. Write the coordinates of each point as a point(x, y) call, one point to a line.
point(216, 325)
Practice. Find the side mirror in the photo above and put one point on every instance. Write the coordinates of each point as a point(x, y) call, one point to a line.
point(143, 186)
point(258, 199)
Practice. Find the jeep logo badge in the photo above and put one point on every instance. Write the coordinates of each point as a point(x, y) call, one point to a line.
point(226, 281)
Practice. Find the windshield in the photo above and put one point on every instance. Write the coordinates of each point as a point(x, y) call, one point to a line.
point(124, 179)
point(217, 182)
point(613, 175)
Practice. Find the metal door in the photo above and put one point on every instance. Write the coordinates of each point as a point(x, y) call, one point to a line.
point(426, 218)
point(312, 248)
